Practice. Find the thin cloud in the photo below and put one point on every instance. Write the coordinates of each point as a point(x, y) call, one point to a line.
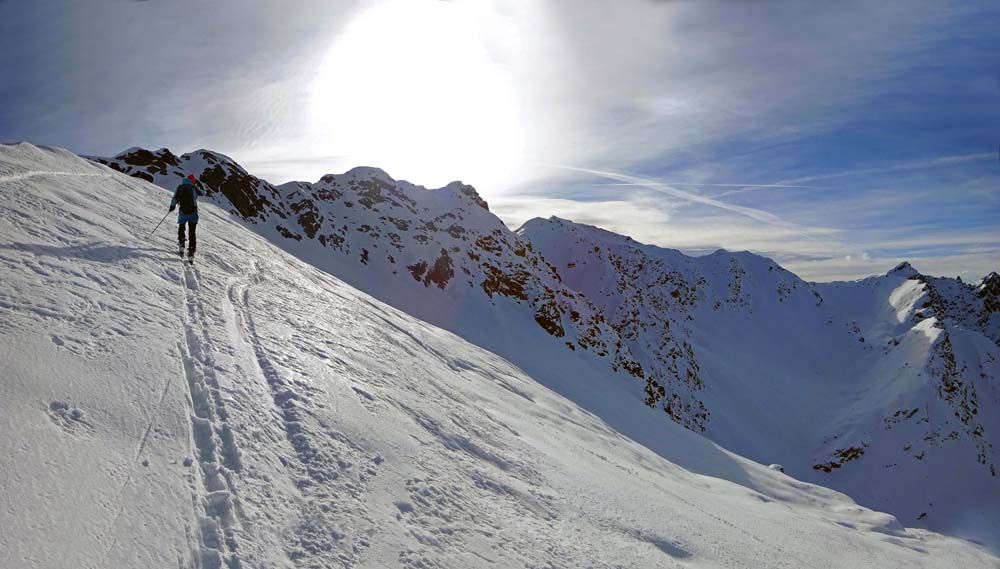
point(720, 185)
point(756, 214)
point(910, 165)
point(970, 265)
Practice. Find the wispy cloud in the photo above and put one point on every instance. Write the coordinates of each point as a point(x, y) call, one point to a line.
point(907, 166)
point(717, 185)
point(669, 190)
point(971, 265)
point(649, 217)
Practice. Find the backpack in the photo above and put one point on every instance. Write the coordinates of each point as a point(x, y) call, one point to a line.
point(186, 199)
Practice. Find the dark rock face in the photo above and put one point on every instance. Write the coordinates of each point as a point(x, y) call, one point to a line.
point(989, 293)
point(471, 192)
point(241, 189)
point(439, 274)
point(142, 163)
point(843, 456)
point(418, 270)
point(973, 306)
point(245, 194)
point(376, 191)
point(442, 271)
point(549, 318)
point(154, 163)
point(904, 266)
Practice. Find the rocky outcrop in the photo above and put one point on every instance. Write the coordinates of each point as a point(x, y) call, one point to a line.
point(245, 194)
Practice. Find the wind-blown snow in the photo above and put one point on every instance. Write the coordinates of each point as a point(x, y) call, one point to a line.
point(253, 411)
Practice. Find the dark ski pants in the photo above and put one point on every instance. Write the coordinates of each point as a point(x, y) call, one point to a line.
point(192, 233)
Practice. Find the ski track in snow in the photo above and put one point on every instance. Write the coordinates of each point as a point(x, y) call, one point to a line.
point(27, 175)
point(218, 458)
point(324, 485)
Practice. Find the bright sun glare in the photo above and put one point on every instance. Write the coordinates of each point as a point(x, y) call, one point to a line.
point(409, 87)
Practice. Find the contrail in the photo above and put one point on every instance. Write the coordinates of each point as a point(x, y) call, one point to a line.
point(903, 166)
point(718, 185)
point(750, 212)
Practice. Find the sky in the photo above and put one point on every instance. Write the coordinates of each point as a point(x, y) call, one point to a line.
point(838, 138)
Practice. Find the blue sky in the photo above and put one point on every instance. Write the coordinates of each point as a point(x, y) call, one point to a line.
point(876, 125)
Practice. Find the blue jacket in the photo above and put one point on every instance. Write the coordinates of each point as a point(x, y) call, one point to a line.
point(187, 217)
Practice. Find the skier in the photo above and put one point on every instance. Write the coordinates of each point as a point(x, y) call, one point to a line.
point(186, 195)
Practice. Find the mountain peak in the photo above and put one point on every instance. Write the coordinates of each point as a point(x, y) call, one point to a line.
point(136, 156)
point(369, 172)
point(216, 157)
point(990, 285)
point(132, 150)
point(905, 269)
point(468, 191)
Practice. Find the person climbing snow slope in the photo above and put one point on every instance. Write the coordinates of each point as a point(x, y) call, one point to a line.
point(186, 196)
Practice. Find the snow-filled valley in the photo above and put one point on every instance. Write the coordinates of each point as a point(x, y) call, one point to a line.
point(314, 392)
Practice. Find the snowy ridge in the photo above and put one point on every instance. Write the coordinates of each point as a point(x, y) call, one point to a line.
point(652, 297)
point(437, 254)
point(253, 411)
point(901, 368)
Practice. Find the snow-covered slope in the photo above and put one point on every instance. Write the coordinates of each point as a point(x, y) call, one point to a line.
point(928, 409)
point(392, 238)
point(253, 411)
point(848, 385)
point(884, 389)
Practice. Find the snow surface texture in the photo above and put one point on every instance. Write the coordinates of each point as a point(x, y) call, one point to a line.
point(885, 389)
point(253, 411)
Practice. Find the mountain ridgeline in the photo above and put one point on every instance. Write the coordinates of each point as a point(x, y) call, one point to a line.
point(883, 388)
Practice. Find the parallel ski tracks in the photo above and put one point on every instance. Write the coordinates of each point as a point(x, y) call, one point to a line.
point(325, 462)
point(215, 493)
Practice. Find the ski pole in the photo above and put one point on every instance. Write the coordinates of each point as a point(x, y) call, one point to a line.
point(158, 225)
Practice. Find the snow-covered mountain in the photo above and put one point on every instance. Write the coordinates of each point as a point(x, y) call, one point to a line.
point(884, 388)
point(438, 254)
point(254, 411)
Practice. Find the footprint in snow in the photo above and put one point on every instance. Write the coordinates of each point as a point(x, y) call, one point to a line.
point(68, 418)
